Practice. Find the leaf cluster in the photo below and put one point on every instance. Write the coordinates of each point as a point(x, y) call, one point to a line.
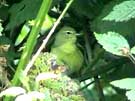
point(106, 39)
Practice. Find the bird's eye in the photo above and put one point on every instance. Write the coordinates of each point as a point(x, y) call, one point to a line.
point(68, 32)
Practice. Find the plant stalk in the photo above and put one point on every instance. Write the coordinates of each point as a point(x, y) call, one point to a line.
point(27, 52)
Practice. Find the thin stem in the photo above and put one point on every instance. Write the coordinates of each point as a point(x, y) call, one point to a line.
point(99, 88)
point(88, 48)
point(102, 69)
point(47, 38)
point(86, 85)
point(132, 58)
point(95, 60)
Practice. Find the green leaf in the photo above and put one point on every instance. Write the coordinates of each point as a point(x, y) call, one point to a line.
point(23, 11)
point(87, 7)
point(24, 32)
point(47, 24)
point(112, 42)
point(127, 83)
point(131, 95)
point(122, 12)
point(4, 40)
point(100, 25)
point(31, 41)
point(133, 50)
point(1, 29)
point(4, 12)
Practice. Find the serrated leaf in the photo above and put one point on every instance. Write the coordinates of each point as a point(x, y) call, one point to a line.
point(133, 50)
point(127, 83)
point(112, 42)
point(131, 95)
point(125, 28)
point(122, 12)
point(23, 11)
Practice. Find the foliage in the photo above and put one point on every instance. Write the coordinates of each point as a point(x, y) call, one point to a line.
point(100, 25)
point(122, 12)
point(128, 84)
point(112, 42)
point(31, 40)
point(133, 50)
point(82, 8)
point(25, 30)
point(1, 29)
point(18, 11)
point(49, 84)
point(48, 22)
point(103, 35)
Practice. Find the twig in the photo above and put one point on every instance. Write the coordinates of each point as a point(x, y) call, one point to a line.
point(132, 58)
point(47, 38)
point(99, 88)
point(87, 45)
point(86, 85)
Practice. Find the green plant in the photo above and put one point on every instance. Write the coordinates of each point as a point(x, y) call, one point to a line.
point(45, 83)
point(109, 31)
point(31, 40)
point(104, 34)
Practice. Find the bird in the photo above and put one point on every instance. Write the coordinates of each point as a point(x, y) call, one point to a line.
point(66, 50)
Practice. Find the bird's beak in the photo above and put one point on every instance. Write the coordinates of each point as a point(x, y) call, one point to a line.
point(79, 34)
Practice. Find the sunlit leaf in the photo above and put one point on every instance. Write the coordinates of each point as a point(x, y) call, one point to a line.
point(125, 28)
point(133, 50)
point(112, 42)
point(36, 95)
point(131, 95)
point(127, 83)
point(44, 76)
point(24, 32)
point(122, 12)
point(47, 24)
point(24, 97)
point(30, 96)
point(13, 91)
point(1, 29)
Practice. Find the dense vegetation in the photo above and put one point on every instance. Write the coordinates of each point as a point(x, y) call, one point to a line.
point(67, 50)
